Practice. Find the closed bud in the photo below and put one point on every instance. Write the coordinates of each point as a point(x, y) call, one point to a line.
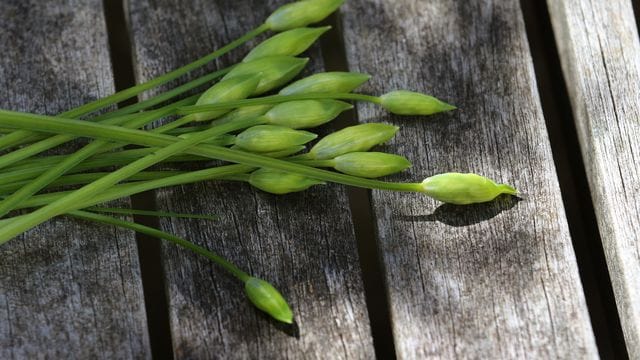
point(404, 102)
point(243, 113)
point(352, 139)
point(267, 138)
point(301, 13)
point(274, 71)
point(370, 164)
point(268, 299)
point(327, 82)
point(461, 189)
point(303, 114)
point(236, 88)
point(279, 182)
point(288, 43)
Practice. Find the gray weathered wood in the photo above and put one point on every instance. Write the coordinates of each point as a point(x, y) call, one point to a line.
point(303, 243)
point(68, 289)
point(600, 56)
point(497, 280)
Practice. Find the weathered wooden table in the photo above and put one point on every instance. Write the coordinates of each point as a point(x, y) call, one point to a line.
point(366, 273)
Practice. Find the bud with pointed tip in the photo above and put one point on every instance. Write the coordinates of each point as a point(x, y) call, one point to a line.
point(404, 102)
point(289, 43)
point(462, 189)
point(352, 139)
point(370, 164)
point(236, 88)
point(279, 182)
point(326, 82)
point(301, 13)
point(274, 71)
point(302, 114)
point(267, 138)
point(268, 299)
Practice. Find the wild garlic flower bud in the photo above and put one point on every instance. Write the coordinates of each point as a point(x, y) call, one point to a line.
point(268, 299)
point(279, 182)
point(301, 13)
point(243, 113)
point(461, 189)
point(404, 102)
point(267, 138)
point(274, 71)
point(288, 43)
point(370, 164)
point(236, 88)
point(302, 114)
point(327, 82)
point(352, 139)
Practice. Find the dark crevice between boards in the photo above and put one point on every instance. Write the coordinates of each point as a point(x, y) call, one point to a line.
point(576, 196)
point(334, 56)
point(149, 248)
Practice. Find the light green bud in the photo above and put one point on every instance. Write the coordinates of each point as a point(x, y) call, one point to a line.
point(268, 299)
point(301, 13)
point(327, 82)
point(243, 113)
point(279, 182)
point(288, 43)
point(461, 189)
point(370, 164)
point(236, 88)
point(302, 114)
point(274, 71)
point(267, 138)
point(352, 139)
point(404, 102)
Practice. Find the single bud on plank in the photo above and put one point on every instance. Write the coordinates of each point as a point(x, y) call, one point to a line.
point(462, 189)
point(402, 102)
point(268, 299)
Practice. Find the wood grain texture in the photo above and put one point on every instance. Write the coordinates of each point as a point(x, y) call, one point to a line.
point(68, 289)
point(495, 280)
point(600, 57)
point(303, 243)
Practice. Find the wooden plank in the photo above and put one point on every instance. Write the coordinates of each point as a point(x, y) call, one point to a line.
point(303, 243)
point(600, 57)
point(496, 280)
point(68, 289)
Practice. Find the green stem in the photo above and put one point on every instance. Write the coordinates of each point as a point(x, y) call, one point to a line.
point(114, 133)
point(230, 267)
point(275, 99)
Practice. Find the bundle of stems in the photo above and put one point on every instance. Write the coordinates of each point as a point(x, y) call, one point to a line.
point(260, 136)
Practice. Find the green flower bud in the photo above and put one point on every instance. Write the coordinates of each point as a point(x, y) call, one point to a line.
point(302, 114)
point(236, 88)
point(404, 102)
point(268, 299)
point(288, 43)
point(327, 82)
point(370, 164)
point(352, 139)
point(301, 13)
point(274, 71)
point(279, 182)
point(267, 138)
point(243, 113)
point(461, 189)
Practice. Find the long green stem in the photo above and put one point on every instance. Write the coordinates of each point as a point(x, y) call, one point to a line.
point(275, 99)
point(115, 133)
point(230, 267)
